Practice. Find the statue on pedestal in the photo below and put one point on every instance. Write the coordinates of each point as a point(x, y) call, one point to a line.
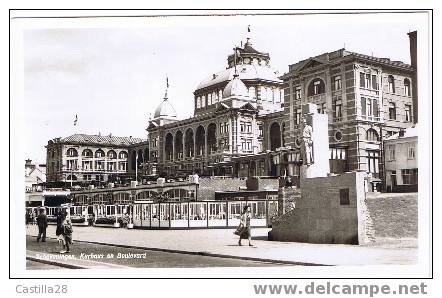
point(307, 143)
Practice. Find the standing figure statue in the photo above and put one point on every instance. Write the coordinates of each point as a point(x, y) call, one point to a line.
point(307, 143)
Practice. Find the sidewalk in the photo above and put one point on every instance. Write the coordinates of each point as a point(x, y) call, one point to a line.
point(222, 242)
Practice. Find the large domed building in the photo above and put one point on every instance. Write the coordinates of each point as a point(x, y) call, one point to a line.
point(234, 110)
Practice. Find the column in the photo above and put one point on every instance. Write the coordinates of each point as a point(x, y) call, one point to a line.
point(230, 135)
point(173, 148)
point(255, 137)
point(194, 142)
point(237, 132)
point(281, 133)
point(184, 145)
point(206, 155)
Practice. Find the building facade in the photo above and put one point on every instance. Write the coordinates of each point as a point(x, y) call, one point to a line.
point(247, 121)
point(401, 165)
point(366, 99)
point(230, 110)
point(35, 176)
point(87, 159)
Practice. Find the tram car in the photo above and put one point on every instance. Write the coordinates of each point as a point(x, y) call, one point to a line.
point(201, 214)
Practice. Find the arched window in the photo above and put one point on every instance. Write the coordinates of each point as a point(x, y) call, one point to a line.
point(72, 152)
point(391, 87)
point(87, 153)
point(372, 135)
point(122, 155)
point(99, 153)
point(317, 86)
point(275, 136)
point(168, 147)
point(111, 154)
point(407, 87)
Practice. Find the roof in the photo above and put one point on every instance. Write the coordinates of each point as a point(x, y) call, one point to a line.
point(245, 72)
point(408, 133)
point(326, 58)
point(165, 109)
point(101, 140)
point(248, 51)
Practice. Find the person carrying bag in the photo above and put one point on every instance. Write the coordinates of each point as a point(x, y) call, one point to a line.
point(244, 230)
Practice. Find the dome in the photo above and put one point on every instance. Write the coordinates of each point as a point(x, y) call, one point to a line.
point(235, 88)
point(165, 109)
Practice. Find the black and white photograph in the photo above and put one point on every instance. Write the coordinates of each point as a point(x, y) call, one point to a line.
point(221, 144)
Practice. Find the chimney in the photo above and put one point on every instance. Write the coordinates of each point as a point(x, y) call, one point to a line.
point(28, 162)
point(413, 60)
point(413, 48)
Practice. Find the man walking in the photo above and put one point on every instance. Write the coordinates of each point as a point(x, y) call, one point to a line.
point(42, 222)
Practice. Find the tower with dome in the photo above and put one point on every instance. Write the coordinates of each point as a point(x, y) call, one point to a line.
point(229, 128)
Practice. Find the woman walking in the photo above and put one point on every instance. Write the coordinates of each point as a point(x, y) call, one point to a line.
point(245, 226)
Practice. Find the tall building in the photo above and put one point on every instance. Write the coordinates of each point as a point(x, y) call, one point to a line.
point(247, 122)
point(87, 158)
point(366, 99)
point(247, 119)
point(230, 108)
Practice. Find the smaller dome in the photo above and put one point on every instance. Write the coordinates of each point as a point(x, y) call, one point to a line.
point(165, 109)
point(235, 88)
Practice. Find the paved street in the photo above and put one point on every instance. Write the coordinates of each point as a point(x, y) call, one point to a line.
point(31, 265)
point(153, 259)
point(222, 242)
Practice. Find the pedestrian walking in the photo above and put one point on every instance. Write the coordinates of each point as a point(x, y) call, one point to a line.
point(59, 229)
point(243, 230)
point(42, 222)
point(66, 233)
point(28, 218)
point(125, 220)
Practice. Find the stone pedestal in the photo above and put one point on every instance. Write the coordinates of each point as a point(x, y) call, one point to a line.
point(321, 154)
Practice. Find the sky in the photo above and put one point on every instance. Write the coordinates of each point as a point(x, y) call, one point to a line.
point(112, 72)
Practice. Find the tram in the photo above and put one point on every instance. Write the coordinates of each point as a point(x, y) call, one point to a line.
point(167, 215)
point(202, 214)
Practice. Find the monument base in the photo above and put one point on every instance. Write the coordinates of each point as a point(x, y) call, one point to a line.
point(330, 210)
